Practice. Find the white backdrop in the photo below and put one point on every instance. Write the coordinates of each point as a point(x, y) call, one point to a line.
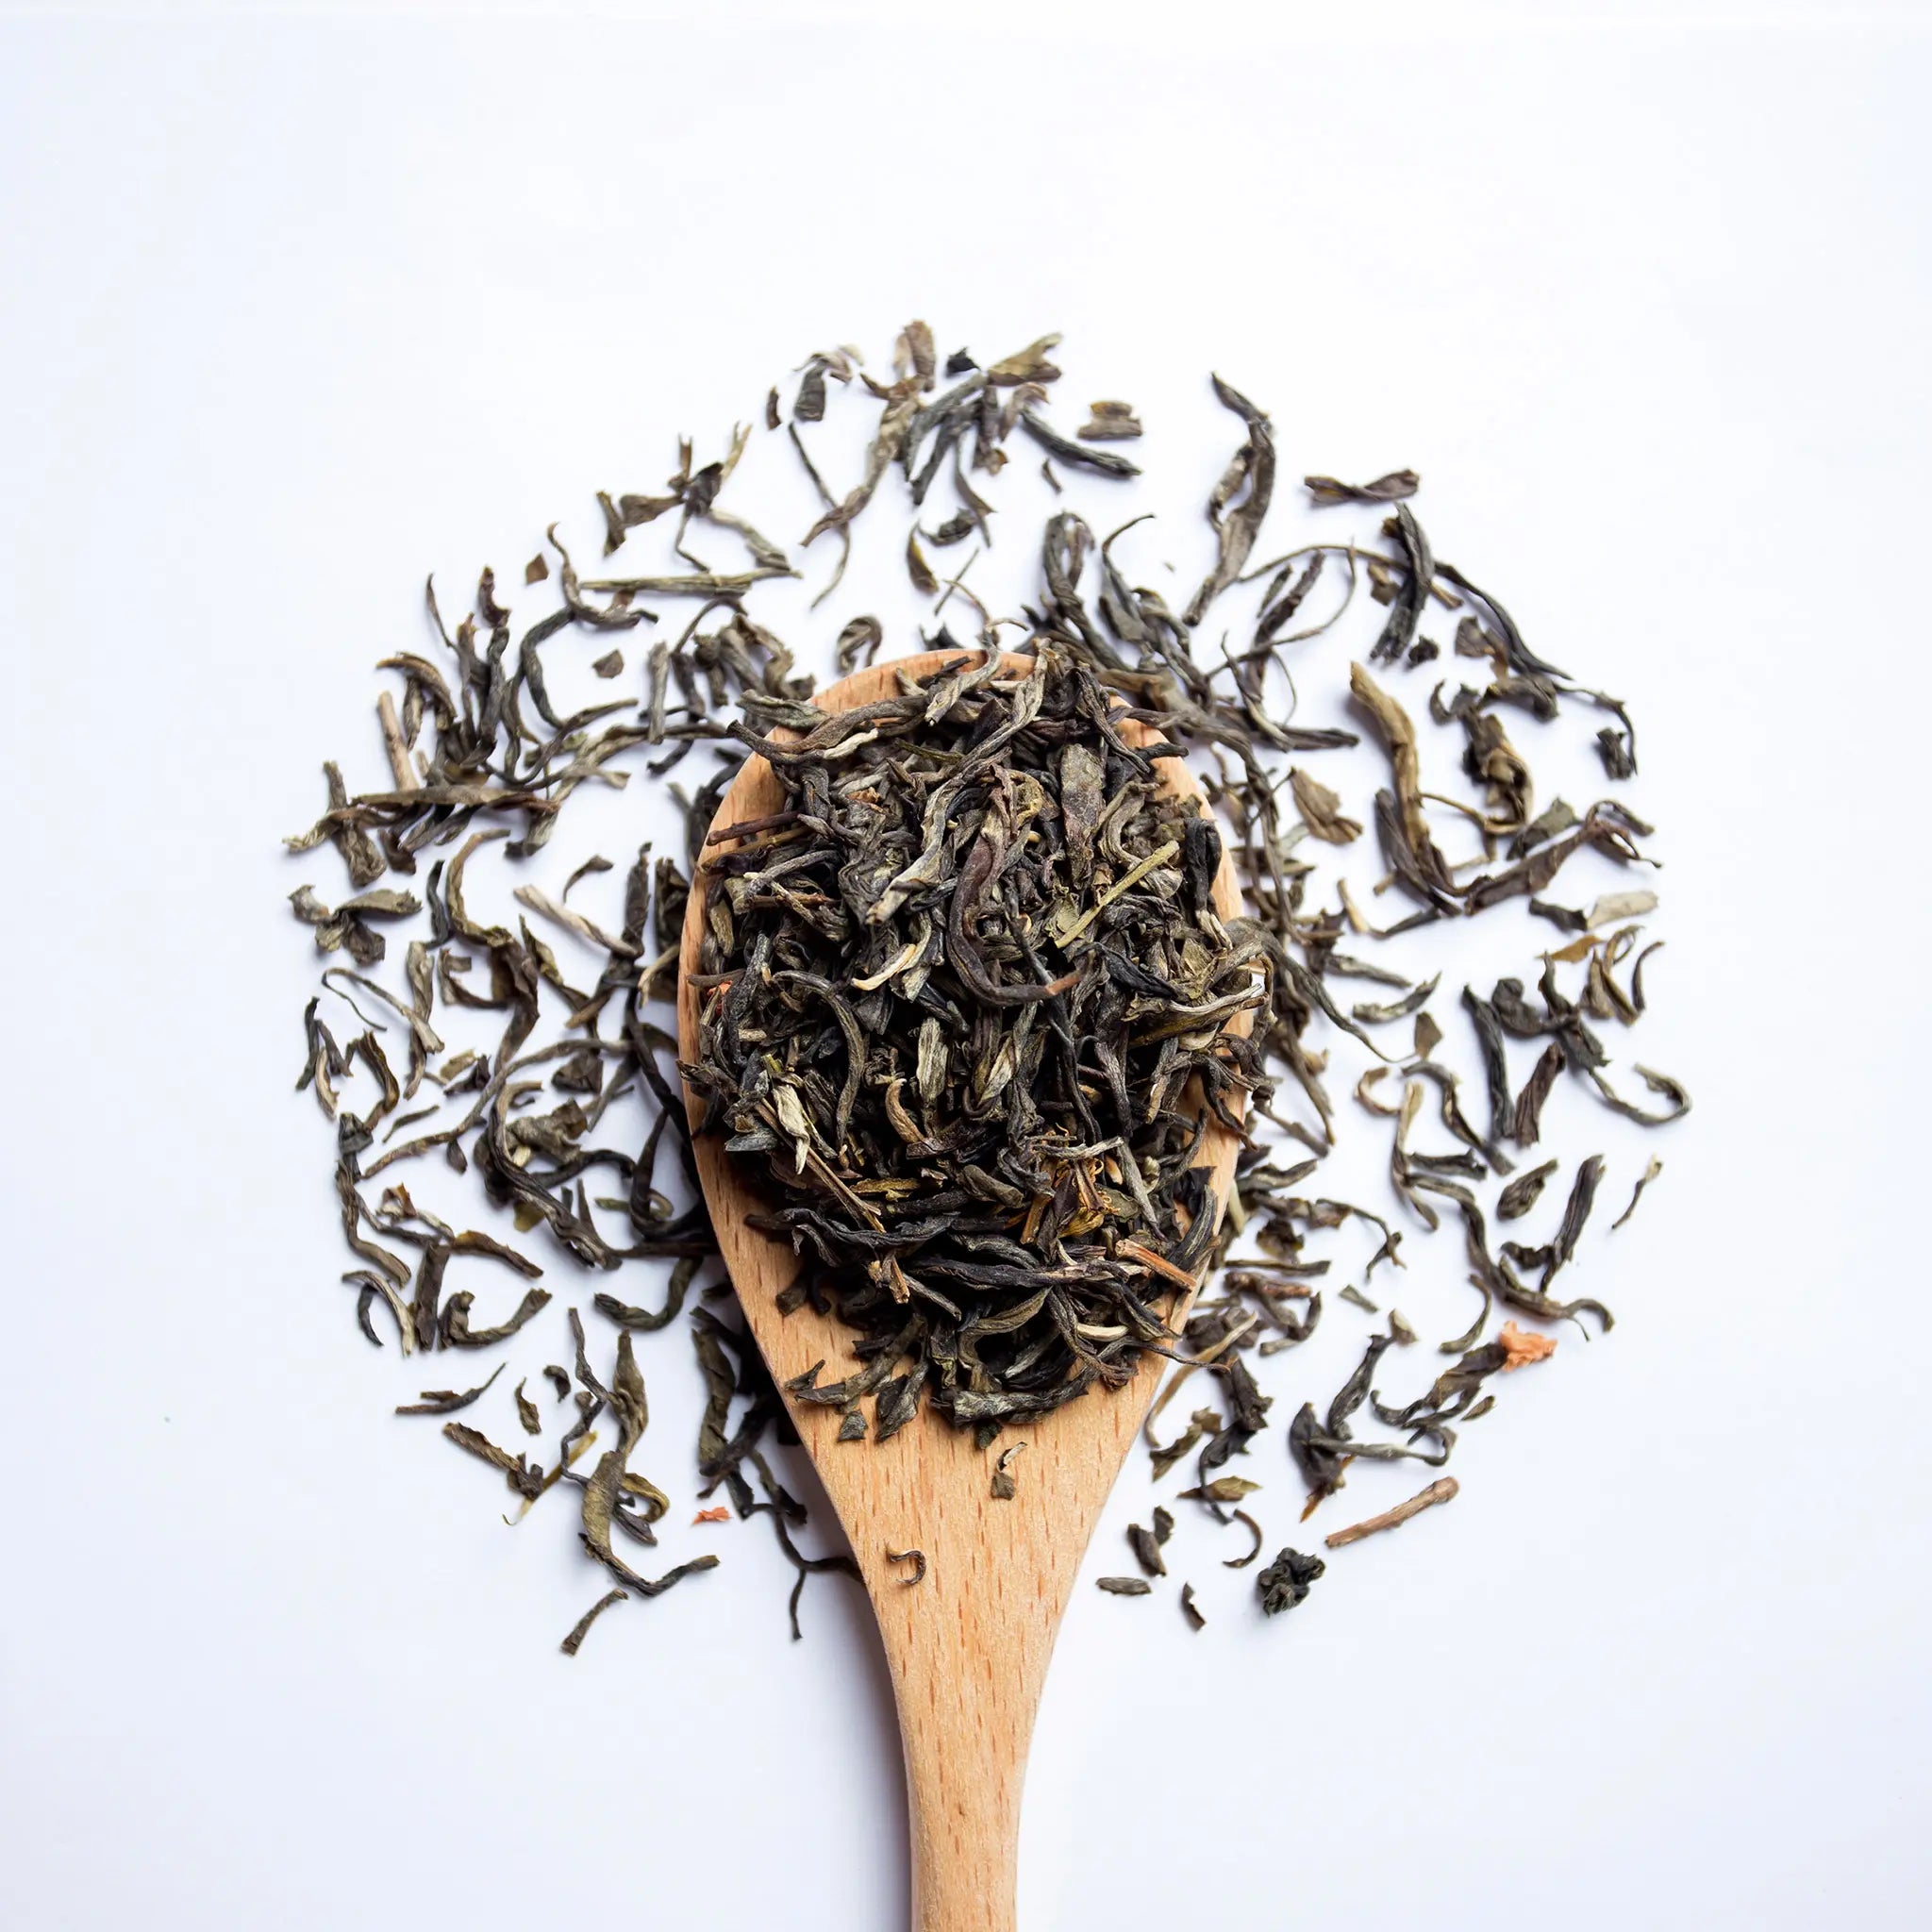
point(292, 313)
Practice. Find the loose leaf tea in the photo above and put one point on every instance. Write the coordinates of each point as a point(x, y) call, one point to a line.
point(968, 999)
point(1288, 1580)
point(975, 979)
point(581, 1628)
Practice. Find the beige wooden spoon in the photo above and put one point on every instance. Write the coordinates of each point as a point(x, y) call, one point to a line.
point(968, 1646)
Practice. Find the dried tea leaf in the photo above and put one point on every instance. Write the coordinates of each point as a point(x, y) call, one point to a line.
point(526, 1410)
point(1224, 1489)
point(1253, 1549)
point(918, 569)
point(1321, 810)
point(524, 1480)
point(859, 643)
point(1644, 1180)
point(1376, 1013)
point(1396, 485)
point(1029, 364)
point(446, 1401)
point(1520, 1197)
point(1250, 476)
point(1674, 1093)
point(1406, 843)
point(1079, 454)
point(581, 1628)
point(1146, 1550)
point(1613, 907)
point(1124, 1586)
point(1527, 1114)
point(1110, 422)
point(1405, 605)
point(1288, 1580)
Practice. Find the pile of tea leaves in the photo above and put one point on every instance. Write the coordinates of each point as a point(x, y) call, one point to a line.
point(967, 1000)
point(1003, 1178)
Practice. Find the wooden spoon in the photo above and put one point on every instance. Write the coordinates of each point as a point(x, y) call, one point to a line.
point(968, 1646)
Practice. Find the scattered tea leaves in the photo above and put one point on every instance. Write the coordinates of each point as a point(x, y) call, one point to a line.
point(967, 995)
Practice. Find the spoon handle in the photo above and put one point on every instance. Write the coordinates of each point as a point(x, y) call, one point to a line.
point(969, 1643)
point(968, 1661)
point(965, 1761)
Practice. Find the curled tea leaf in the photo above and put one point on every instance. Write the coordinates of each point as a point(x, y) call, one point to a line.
point(446, 1401)
point(1146, 1550)
point(1393, 488)
point(581, 1628)
point(1288, 1580)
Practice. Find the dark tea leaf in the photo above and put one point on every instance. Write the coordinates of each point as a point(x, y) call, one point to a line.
point(446, 1401)
point(1288, 1580)
point(581, 1628)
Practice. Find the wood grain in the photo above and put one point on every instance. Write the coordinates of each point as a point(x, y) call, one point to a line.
point(967, 1648)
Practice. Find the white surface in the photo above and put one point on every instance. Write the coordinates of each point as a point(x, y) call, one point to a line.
point(291, 314)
